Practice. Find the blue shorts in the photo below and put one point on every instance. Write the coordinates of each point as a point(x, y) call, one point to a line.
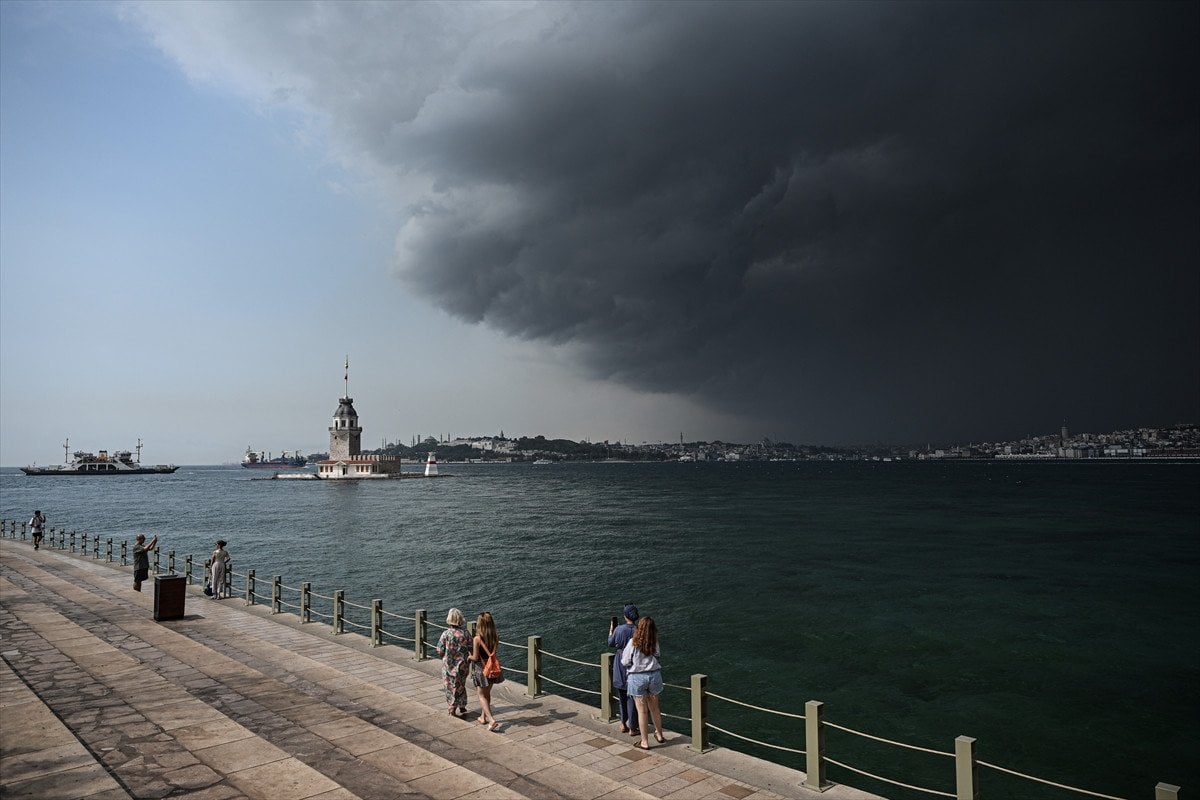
point(641, 684)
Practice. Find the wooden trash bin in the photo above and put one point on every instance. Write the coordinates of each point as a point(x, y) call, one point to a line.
point(169, 594)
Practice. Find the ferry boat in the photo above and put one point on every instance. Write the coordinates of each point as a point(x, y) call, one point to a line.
point(261, 460)
point(122, 462)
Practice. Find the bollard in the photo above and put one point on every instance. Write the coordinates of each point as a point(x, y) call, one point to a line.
point(249, 586)
point(606, 687)
point(966, 769)
point(814, 746)
point(339, 608)
point(276, 594)
point(305, 602)
point(699, 714)
point(376, 623)
point(421, 630)
point(187, 569)
point(533, 686)
point(108, 550)
point(1166, 791)
point(124, 554)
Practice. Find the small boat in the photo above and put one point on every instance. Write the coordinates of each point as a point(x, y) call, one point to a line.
point(122, 462)
point(262, 460)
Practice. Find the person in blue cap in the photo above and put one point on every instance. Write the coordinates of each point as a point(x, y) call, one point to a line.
point(618, 637)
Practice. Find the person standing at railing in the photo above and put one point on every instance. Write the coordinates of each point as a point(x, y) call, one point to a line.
point(141, 559)
point(486, 640)
point(645, 677)
point(221, 565)
point(453, 647)
point(618, 637)
point(37, 527)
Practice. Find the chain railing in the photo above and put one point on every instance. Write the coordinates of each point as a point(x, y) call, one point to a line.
point(380, 627)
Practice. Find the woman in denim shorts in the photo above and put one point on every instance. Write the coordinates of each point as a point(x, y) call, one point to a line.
point(640, 659)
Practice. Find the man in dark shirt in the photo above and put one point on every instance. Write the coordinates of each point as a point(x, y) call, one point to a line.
point(141, 560)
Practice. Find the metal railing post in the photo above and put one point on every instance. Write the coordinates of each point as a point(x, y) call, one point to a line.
point(23, 524)
point(306, 602)
point(249, 586)
point(376, 622)
point(276, 594)
point(157, 564)
point(124, 549)
point(108, 550)
point(606, 687)
point(96, 547)
point(534, 686)
point(73, 544)
point(420, 632)
point(814, 746)
point(339, 609)
point(187, 569)
point(699, 714)
point(966, 769)
point(171, 561)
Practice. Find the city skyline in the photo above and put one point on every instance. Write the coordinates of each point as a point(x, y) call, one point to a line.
point(822, 223)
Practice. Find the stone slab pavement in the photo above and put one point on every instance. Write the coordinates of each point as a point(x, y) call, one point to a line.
point(99, 701)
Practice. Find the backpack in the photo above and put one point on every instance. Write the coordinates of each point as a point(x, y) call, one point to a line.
point(491, 668)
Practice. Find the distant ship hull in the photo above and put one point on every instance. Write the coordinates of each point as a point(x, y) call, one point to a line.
point(278, 463)
point(95, 469)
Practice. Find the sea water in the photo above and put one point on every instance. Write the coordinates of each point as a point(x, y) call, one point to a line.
point(1049, 610)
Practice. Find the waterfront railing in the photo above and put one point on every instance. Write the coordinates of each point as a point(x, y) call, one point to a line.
point(384, 628)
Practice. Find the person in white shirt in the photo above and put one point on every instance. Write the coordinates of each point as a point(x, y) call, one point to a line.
point(645, 684)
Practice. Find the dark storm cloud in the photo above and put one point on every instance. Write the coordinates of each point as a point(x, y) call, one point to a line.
point(844, 221)
point(850, 221)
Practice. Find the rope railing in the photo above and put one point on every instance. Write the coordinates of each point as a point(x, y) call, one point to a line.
point(815, 751)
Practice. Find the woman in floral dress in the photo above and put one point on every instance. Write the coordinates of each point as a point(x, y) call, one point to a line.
point(453, 648)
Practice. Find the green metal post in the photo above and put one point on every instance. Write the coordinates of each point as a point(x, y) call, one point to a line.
point(171, 561)
point(533, 687)
point(249, 587)
point(376, 622)
point(276, 594)
point(814, 746)
point(23, 531)
point(606, 687)
point(699, 714)
point(107, 550)
point(187, 569)
point(306, 602)
point(96, 547)
point(421, 630)
point(157, 565)
point(966, 769)
point(73, 544)
point(339, 609)
point(124, 550)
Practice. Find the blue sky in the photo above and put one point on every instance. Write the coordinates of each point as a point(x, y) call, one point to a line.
point(182, 265)
point(824, 223)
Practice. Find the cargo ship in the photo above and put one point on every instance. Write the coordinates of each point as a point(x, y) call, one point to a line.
point(122, 462)
point(262, 460)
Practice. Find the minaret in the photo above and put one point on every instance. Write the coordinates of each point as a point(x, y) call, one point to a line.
point(345, 436)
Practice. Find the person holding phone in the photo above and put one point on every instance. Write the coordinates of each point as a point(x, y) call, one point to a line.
point(619, 636)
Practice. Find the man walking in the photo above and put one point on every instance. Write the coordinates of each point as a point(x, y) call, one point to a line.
point(141, 560)
point(38, 526)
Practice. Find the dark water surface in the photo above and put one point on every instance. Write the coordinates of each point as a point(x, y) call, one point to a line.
point(1052, 611)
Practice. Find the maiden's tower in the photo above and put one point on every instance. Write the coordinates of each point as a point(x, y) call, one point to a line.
point(346, 459)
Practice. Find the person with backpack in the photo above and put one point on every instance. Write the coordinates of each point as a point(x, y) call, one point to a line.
point(37, 527)
point(485, 667)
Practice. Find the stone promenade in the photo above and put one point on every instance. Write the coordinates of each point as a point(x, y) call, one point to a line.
point(99, 701)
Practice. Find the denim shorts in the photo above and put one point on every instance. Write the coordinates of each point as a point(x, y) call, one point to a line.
point(642, 683)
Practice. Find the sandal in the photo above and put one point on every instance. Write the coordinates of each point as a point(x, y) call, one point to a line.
point(658, 737)
point(641, 746)
point(495, 726)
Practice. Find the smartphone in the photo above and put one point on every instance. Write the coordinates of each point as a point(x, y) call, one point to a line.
point(614, 622)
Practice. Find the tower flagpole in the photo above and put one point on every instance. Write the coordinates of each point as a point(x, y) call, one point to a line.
point(346, 377)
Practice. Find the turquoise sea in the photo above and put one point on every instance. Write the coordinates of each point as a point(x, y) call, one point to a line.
point(1050, 610)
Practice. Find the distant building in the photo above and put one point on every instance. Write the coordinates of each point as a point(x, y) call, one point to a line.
point(346, 459)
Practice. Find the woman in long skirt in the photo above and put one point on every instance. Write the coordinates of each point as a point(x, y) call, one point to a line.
point(220, 570)
point(453, 648)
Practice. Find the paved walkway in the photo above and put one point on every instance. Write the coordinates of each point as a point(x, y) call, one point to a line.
point(99, 701)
